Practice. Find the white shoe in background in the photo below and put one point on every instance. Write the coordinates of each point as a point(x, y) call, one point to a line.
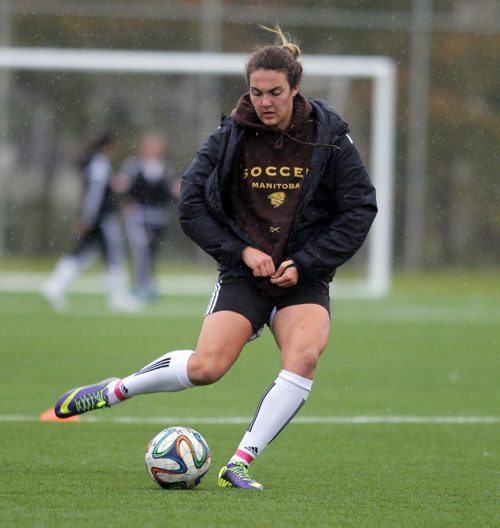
point(125, 303)
point(57, 301)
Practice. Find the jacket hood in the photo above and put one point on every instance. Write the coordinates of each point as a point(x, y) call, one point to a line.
point(303, 109)
point(245, 115)
point(327, 119)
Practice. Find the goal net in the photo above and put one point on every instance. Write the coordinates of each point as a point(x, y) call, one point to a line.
point(55, 97)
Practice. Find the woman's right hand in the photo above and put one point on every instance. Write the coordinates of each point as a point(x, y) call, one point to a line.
point(260, 263)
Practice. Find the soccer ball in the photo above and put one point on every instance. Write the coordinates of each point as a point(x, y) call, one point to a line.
point(177, 458)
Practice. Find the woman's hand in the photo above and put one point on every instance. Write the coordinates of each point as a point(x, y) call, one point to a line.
point(260, 263)
point(286, 275)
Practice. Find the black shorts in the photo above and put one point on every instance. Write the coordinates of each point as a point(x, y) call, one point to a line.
point(242, 296)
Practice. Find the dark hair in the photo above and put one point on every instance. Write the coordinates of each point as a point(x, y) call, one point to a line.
point(283, 56)
point(104, 140)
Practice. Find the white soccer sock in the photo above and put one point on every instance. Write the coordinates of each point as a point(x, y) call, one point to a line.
point(277, 407)
point(65, 271)
point(117, 283)
point(168, 373)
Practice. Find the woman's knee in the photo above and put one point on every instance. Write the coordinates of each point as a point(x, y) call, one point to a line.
point(301, 361)
point(206, 370)
point(222, 337)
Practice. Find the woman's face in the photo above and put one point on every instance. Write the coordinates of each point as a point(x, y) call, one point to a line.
point(272, 97)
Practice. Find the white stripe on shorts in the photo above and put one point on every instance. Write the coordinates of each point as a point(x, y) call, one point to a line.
point(213, 299)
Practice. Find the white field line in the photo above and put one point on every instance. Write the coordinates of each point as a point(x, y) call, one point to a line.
point(175, 284)
point(192, 284)
point(233, 420)
point(189, 285)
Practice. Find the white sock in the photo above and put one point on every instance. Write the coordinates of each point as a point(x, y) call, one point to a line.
point(64, 272)
point(118, 283)
point(168, 373)
point(277, 407)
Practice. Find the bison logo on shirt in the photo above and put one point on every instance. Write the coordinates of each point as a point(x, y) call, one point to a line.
point(277, 198)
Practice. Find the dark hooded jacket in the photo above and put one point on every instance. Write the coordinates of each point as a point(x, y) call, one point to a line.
point(336, 209)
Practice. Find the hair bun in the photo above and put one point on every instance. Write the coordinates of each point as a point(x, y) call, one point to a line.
point(293, 49)
point(283, 40)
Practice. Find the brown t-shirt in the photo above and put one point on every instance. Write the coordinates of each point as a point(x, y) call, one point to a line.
point(269, 178)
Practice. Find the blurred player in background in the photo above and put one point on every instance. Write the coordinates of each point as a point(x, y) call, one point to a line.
point(279, 196)
point(98, 231)
point(149, 188)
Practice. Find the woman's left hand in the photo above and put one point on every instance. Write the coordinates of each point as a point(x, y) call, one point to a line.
point(287, 275)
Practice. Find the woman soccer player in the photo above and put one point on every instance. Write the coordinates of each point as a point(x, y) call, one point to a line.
point(278, 195)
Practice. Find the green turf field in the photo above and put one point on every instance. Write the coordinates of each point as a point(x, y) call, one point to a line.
point(402, 427)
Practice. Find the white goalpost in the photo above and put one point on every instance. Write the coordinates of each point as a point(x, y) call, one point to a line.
point(380, 71)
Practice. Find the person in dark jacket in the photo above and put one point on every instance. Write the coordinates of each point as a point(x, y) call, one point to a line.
point(98, 231)
point(278, 195)
point(149, 189)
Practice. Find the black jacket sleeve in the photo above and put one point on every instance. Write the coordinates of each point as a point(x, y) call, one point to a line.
point(197, 220)
point(354, 208)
